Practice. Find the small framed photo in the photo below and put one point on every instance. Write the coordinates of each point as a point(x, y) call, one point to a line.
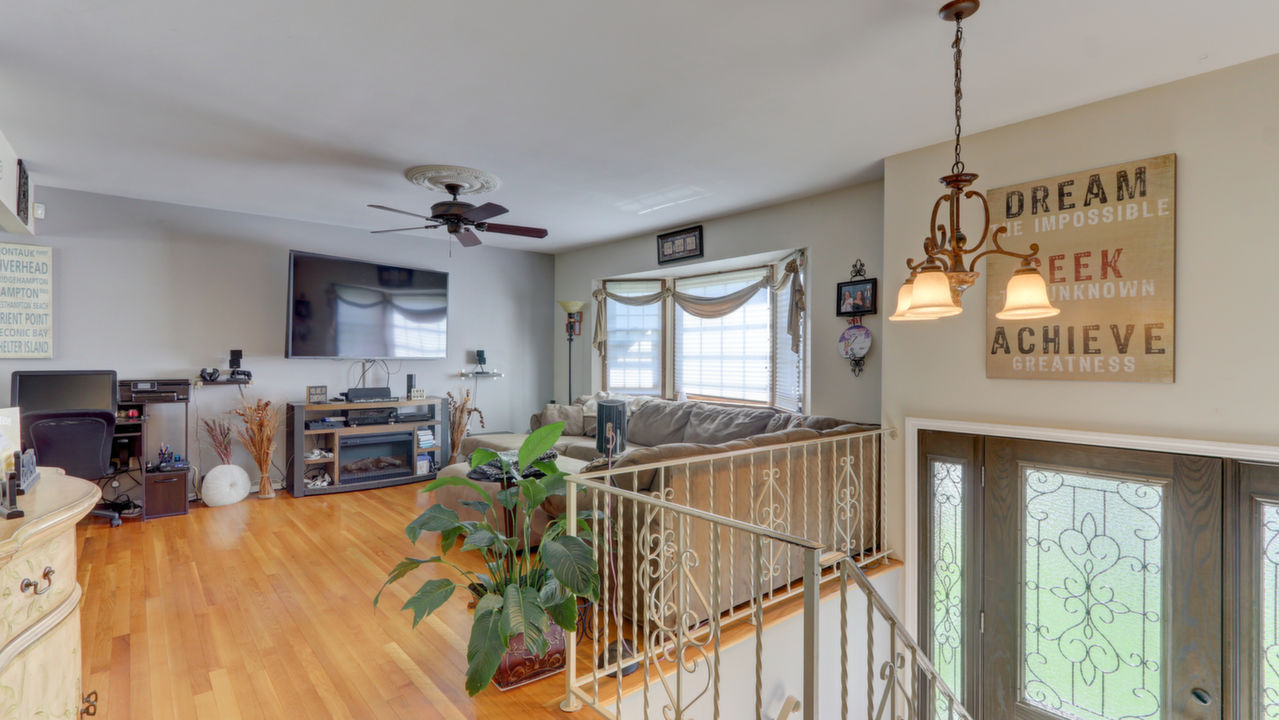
point(317, 394)
point(679, 245)
point(855, 298)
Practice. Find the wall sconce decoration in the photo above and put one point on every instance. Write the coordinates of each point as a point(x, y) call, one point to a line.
point(938, 281)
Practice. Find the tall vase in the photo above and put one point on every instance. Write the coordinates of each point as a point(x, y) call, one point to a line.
point(264, 488)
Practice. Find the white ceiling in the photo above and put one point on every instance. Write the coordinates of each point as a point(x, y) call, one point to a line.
point(588, 111)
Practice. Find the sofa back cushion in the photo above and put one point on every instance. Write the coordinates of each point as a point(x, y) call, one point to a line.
point(571, 415)
point(714, 424)
point(657, 422)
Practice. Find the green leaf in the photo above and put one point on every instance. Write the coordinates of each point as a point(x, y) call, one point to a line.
point(533, 491)
point(429, 598)
point(482, 456)
point(555, 484)
point(523, 613)
point(450, 537)
point(538, 442)
point(484, 651)
point(478, 506)
point(479, 539)
point(454, 481)
point(402, 568)
point(572, 563)
point(490, 602)
point(552, 592)
point(509, 497)
point(564, 613)
point(437, 518)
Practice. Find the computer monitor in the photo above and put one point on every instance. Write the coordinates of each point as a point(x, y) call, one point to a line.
point(41, 390)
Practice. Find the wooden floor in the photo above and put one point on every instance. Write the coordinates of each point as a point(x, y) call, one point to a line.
point(263, 609)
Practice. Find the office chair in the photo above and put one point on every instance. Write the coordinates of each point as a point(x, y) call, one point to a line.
point(78, 441)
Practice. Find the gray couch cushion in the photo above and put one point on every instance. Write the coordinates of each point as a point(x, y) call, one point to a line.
point(780, 421)
point(571, 415)
point(715, 424)
point(657, 422)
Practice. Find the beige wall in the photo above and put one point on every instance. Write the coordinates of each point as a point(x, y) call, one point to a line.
point(837, 228)
point(1224, 128)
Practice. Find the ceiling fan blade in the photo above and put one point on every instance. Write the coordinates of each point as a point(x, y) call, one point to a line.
point(484, 212)
point(515, 230)
point(415, 227)
point(467, 238)
point(402, 212)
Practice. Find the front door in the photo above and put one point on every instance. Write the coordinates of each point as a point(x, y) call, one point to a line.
point(1101, 583)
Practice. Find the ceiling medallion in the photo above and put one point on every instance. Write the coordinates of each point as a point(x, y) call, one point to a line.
point(468, 181)
point(937, 282)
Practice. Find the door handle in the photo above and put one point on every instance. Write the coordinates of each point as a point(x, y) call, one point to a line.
point(1201, 696)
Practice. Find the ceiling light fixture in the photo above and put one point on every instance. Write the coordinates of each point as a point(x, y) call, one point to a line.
point(938, 281)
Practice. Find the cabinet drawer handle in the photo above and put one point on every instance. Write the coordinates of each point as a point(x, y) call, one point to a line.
point(29, 584)
point(90, 703)
point(165, 480)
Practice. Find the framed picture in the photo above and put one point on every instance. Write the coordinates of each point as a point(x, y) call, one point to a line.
point(317, 394)
point(858, 297)
point(679, 245)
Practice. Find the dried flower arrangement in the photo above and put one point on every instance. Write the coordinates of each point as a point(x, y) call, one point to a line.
point(261, 421)
point(459, 416)
point(220, 438)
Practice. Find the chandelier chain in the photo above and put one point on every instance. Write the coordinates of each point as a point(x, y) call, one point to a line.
point(958, 45)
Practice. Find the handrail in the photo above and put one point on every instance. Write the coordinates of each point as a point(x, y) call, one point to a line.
point(734, 453)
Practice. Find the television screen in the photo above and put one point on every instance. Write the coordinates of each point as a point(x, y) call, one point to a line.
point(40, 390)
point(343, 308)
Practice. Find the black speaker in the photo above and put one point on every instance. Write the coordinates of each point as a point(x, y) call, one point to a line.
point(610, 412)
point(236, 356)
point(480, 359)
point(410, 382)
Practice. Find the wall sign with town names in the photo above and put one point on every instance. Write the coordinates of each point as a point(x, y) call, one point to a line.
point(26, 301)
point(1107, 248)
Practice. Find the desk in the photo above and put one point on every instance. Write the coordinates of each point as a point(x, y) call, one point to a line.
point(40, 619)
point(163, 493)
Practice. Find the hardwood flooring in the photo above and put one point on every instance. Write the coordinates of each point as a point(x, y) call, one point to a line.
point(263, 609)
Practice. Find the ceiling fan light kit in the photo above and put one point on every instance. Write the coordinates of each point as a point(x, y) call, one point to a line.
point(455, 216)
point(937, 282)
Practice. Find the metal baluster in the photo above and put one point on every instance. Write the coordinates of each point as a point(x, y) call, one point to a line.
point(715, 614)
point(861, 509)
point(843, 640)
point(870, 654)
point(596, 612)
point(570, 702)
point(812, 608)
point(616, 604)
point(681, 605)
point(759, 626)
point(892, 658)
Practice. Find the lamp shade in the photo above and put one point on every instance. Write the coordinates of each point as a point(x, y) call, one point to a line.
point(571, 306)
point(931, 298)
point(903, 303)
point(1026, 297)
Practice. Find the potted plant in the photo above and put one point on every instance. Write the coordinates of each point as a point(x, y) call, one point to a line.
point(525, 595)
point(225, 483)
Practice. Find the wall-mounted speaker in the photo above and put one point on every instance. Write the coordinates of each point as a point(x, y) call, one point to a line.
point(480, 358)
point(236, 356)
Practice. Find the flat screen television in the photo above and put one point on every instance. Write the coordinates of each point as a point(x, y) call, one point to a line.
point(344, 308)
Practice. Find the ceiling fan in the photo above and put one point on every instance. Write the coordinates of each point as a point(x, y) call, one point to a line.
point(459, 217)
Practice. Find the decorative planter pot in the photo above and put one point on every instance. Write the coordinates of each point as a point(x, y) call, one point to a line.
point(225, 485)
point(520, 667)
point(264, 487)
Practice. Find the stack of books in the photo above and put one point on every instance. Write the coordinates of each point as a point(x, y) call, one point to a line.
point(425, 438)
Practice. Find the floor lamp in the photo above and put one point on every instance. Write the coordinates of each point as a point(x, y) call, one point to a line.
point(572, 328)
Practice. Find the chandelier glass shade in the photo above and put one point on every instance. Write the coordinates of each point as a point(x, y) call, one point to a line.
point(949, 266)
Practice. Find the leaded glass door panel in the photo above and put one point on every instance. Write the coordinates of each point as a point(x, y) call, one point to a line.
point(1102, 583)
point(1255, 590)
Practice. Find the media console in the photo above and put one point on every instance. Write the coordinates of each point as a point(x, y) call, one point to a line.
point(361, 455)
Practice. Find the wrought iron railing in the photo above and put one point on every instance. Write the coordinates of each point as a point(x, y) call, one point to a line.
point(694, 551)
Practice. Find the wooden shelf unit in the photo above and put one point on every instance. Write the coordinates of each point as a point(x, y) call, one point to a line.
point(301, 441)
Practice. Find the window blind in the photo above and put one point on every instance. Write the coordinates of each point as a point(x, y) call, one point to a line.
point(729, 357)
point(788, 373)
point(633, 344)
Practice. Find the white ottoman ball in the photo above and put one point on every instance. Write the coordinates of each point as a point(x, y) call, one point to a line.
point(225, 485)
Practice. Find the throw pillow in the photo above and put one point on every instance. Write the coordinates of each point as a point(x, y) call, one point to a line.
point(571, 415)
point(715, 424)
point(657, 422)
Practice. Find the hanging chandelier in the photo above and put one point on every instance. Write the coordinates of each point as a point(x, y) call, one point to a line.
point(938, 281)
